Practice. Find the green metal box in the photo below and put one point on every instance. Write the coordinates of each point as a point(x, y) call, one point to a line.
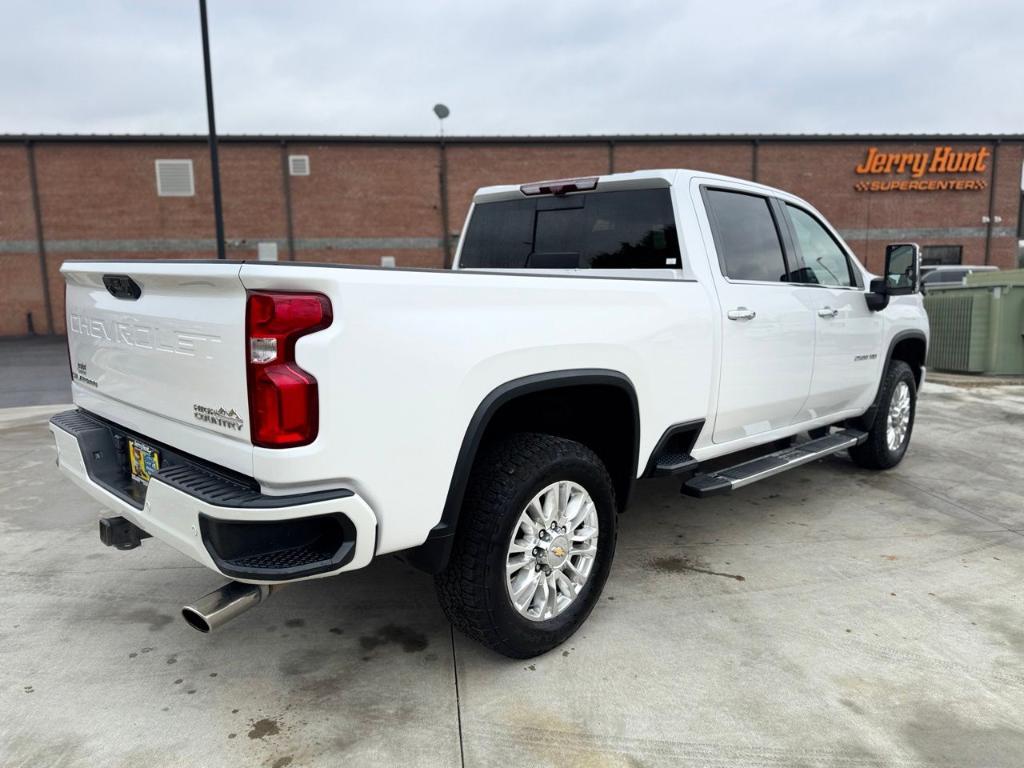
point(978, 327)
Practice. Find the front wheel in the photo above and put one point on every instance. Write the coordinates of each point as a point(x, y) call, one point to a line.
point(534, 545)
point(889, 436)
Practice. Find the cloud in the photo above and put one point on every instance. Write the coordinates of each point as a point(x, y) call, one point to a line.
point(574, 66)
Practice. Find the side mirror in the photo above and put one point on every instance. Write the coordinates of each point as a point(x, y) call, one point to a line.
point(902, 269)
point(902, 275)
point(877, 297)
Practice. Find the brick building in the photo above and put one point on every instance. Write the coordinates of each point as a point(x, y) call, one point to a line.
point(357, 199)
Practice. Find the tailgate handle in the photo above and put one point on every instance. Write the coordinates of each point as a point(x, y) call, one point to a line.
point(122, 287)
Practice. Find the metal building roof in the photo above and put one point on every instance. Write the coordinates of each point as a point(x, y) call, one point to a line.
point(746, 138)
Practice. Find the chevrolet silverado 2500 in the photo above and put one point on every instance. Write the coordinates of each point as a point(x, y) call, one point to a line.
point(279, 422)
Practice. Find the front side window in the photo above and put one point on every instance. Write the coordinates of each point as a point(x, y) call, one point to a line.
point(824, 261)
point(628, 229)
point(745, 236)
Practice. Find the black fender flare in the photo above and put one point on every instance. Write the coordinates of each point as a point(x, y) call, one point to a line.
point(867, 419)
point(432, 555)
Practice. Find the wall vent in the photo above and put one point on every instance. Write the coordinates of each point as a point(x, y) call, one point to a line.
point(174, 178)
point(298, 165)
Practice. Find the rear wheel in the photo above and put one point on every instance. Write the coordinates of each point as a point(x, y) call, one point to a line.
point(889, 436)
point(534, 545)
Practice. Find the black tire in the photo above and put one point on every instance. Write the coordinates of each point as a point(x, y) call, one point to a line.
point(472, 588)
point(875, 453)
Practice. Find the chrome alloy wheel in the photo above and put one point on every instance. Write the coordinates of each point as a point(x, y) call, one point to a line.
point(898, 420)
point(551, 551)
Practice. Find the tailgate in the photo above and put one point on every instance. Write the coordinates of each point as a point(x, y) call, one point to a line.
point(164, 338)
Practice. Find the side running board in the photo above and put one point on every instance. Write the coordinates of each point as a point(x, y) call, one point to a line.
point(730, 478)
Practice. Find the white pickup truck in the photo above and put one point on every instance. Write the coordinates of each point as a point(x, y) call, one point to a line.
point(278, 422)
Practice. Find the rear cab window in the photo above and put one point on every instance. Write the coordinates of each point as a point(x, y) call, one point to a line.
point(620, 229)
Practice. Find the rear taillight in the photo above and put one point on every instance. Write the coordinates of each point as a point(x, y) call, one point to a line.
point(283, 400)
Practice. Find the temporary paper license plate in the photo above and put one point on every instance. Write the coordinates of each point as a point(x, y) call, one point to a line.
point(145, 461)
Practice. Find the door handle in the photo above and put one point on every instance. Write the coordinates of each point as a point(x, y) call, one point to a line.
point(741, 313)
point(827, 312)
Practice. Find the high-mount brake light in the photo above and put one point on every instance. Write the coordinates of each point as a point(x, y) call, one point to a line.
point(559, 186)
point(283, 399)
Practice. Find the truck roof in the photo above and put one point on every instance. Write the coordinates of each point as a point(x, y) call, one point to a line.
point(644, 179)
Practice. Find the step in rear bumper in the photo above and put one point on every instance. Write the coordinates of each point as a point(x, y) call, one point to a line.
point(241, 535)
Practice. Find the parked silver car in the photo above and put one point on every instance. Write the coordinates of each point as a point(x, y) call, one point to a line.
point(950, 274)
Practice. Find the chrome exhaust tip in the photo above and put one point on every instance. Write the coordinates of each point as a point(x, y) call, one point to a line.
point(222, 605)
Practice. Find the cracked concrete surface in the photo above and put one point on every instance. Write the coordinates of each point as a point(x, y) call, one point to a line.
point(828, 616)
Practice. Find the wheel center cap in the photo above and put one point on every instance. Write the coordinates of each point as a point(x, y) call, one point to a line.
point(557, 551)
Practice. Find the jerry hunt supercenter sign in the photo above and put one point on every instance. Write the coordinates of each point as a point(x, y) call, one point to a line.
point(917, 165)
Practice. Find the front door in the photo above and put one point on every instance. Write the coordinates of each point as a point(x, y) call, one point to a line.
point(848, 334)
point(768, 328)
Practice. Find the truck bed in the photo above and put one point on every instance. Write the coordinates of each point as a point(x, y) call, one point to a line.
point(409, 356)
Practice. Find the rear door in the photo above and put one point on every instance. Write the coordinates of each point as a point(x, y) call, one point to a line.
point(847, 334)
point(767, 327)
point(160, 346)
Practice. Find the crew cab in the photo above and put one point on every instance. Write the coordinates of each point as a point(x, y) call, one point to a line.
point(287, 421)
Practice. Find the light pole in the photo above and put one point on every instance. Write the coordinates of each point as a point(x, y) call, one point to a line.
point(442, 112)
point(218, 216)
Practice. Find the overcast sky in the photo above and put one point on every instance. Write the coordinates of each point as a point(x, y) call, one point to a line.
point(518, 67)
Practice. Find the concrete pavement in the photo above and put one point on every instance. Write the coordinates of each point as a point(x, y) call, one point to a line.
point(828, 616)
point(34, 371)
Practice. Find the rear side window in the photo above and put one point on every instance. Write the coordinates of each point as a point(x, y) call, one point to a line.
point(628, 229)
point(746, 237)
point(825, 262)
